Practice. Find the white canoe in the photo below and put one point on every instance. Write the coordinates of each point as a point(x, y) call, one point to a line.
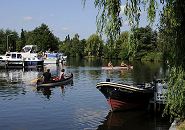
point(118, 67)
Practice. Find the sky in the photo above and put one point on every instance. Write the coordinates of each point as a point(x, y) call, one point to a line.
point(63, 17)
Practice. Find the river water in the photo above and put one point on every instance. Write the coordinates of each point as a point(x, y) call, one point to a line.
point(76, 106)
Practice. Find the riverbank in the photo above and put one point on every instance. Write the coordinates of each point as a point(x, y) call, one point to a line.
point(180, 126)
point(177, 125)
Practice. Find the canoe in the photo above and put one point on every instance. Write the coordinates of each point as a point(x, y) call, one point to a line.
point(118, 68)
point(67, 80)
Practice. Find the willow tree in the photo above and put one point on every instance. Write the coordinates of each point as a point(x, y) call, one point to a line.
point(109, 22)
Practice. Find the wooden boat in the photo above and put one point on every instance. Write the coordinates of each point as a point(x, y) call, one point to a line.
point(123, 96)
point(67, 80)
point(118, 68)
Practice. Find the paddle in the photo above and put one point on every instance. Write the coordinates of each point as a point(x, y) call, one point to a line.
point(35, 80)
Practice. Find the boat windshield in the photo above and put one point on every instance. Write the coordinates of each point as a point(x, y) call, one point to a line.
point(30, 48)
point(8, 54)
point(27, 49)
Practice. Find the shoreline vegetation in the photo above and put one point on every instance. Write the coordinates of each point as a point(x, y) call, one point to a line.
point(141, 45)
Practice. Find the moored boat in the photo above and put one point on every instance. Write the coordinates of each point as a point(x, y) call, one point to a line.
point(56, 82)
point(13, 60)
point(26, 58)
point(31, 58)
point(123, 96)
point(54, 58)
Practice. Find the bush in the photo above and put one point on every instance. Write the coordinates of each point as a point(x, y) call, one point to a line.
point(152, 56)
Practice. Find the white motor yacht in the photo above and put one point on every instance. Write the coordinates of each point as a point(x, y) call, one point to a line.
point(27, 58)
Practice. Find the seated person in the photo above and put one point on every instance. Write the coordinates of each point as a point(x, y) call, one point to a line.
point(47, 76)
point(110, 64)
point(123, 64)
point(62, 75)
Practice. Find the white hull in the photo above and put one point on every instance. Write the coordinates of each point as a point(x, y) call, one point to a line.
point(50, 61)
point(20, 59)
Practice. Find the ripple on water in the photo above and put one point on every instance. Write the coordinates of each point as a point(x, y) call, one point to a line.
point(89, 118)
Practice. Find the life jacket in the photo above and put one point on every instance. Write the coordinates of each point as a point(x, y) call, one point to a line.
point(62, 76)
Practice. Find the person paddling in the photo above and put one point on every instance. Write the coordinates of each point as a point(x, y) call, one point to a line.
point(62, 75)
point(123, 64)
point(110, 64)
point(47, 76)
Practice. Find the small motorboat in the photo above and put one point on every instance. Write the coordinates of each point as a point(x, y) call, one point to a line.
point(122, 96)
point(118, 68)
point(56, 81)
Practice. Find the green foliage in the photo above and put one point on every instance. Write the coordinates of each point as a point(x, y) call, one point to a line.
point(43, 38)
point(23, 39)
point(122, 46)
point(142, 41)
point(172, 30)
point(108, 19)
point(152, 56)
point(175, 105)
point(172, 37)
point(73, 47)
point(94, 46)
point(12, 38)
point(65, 46)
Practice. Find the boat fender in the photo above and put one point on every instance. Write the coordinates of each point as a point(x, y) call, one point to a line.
point(107, 80)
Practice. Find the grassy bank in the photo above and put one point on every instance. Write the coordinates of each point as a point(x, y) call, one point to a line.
point(181, 126)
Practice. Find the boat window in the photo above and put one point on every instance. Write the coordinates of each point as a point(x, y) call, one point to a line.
point(27, 49)
point(13, 56)
point(7, 54)
point(19, 56)
point(1, 58)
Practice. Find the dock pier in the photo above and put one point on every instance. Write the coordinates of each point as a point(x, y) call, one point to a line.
point(158, 102)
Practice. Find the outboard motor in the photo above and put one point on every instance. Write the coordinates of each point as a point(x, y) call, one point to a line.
point(107, 80)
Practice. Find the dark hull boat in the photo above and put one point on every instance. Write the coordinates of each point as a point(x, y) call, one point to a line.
point(123, 96)
point(67, 80)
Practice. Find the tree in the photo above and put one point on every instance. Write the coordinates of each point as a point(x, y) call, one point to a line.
point(43, 38)
point(144, 40)
point(75, 48)
point(109, 20)
point(23, 39)
point(94, 46)
point(65, 47)
point(122, 45)
point(12, 39)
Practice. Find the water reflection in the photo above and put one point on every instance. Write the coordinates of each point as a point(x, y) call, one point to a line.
point(11, 84)
point(47, 91)
point(145, 72)
point(134, 120)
